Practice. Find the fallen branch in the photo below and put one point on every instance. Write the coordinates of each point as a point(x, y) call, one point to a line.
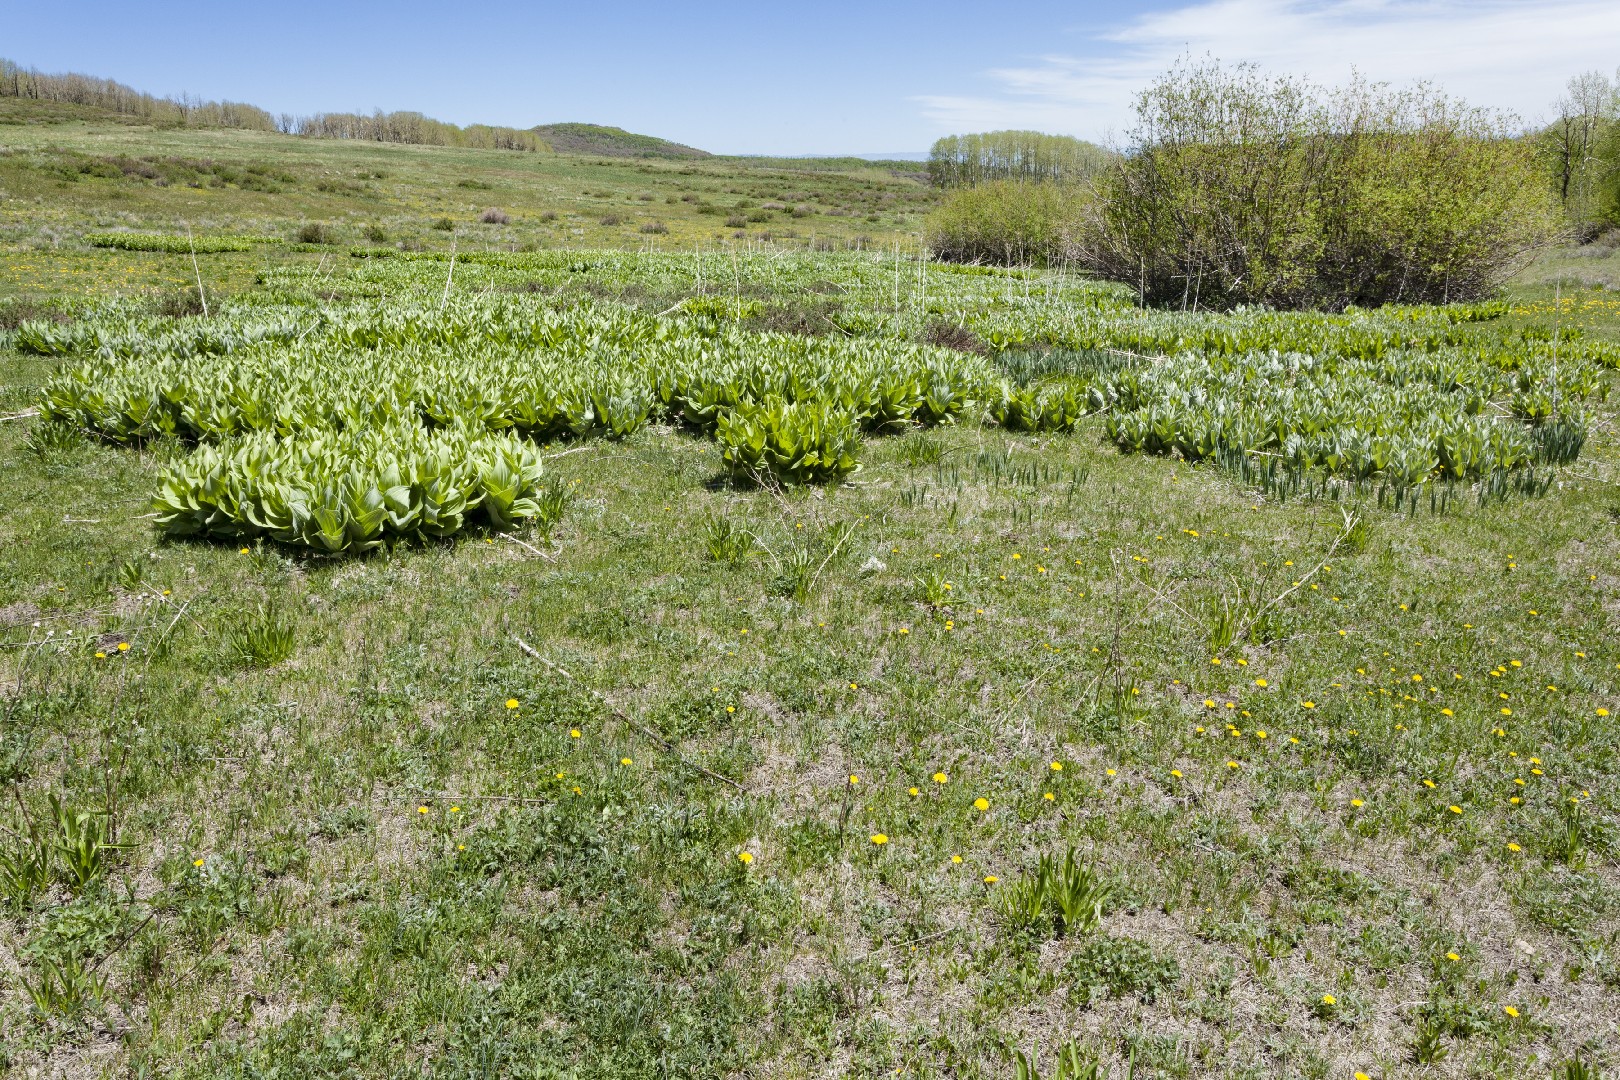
point(667, 746)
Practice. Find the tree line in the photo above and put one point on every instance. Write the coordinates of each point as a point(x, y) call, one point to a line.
point(1029, 156)
point(188, 111)
point(115, 97)
point(408, 127)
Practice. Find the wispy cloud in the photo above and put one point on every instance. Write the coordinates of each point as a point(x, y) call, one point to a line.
point(1506, 54)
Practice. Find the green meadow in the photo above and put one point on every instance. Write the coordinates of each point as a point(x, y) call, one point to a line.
point(473, 613)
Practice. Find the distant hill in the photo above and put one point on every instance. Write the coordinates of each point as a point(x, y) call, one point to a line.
point(612, 142)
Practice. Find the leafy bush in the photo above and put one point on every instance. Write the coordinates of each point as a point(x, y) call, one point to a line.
point(314, 232)
point(1008, 222)
point(1243, 189)
point(494, 216)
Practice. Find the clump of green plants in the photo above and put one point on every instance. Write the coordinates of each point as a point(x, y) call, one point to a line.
point(262, 638)
point(1066, 897)
point(725, 541)
point(797, 442)
point(176, 244)
point(1116, 966)
point(1072, 1064)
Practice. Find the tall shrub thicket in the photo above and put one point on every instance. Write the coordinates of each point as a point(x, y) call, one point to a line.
point(1031, 156)
point(1239, 188)
point(1006, 222)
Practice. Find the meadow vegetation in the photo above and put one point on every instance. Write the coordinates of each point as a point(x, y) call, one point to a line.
point(507, 650)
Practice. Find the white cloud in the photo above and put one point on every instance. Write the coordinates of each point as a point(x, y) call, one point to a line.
point(1506, 54)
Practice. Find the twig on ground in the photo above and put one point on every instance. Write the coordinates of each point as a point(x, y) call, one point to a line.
point(667, 746)
point(546, 555)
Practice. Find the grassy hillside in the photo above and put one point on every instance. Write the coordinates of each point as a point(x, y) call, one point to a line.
point(612, 142)
point(67, 177)
point(676, 771)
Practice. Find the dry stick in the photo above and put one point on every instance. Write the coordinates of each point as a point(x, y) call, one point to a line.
point(450, 277)
point(24, 415)
point(129, 938)
point(667, 746)
point(1284, 594)
point(444, 796)
point(196, 270)
point(529, 547)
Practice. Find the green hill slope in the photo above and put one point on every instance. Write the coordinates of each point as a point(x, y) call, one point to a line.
point(612, 142)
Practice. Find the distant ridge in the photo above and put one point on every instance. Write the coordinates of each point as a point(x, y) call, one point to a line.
point(612, 142)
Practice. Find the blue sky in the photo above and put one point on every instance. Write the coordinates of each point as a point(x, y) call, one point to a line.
point(831, 77)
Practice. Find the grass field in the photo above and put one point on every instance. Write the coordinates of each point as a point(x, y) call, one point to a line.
point(691, 773)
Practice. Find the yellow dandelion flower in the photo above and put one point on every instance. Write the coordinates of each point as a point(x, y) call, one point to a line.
point(573, 733)
point(511, 703)
point(990, 879)
point(1049, 797)
point(1510, 1010)
point(956, 860)
point(1329, 1000)
point(1452, 957)
point(1357, 803)
point(745, 857)
point(625, 761)
point(940, 778)
point(1176, 773)
point(981, 804)
point(879, 839)
point(1513, 847)
point(1057, 766)
point(123, 646)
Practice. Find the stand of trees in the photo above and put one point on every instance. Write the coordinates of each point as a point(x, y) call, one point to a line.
point(187, 111)
point(1582, 149)
point(1028, 156)
point(115, 97)
point(408, 127)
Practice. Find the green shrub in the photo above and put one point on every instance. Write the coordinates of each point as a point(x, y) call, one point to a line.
point(1243, 189)
point(1007, 222)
